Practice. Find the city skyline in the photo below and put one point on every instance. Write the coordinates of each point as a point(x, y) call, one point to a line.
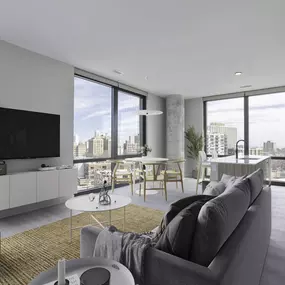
point(100, 146)
point(221, 139)
point(92, 111)
point(266, 117)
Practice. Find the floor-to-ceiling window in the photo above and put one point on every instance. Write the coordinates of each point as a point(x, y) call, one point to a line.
point(266, 130)
point(129, 136)
point(225, 125)
point(106, 126)
point(257, 117)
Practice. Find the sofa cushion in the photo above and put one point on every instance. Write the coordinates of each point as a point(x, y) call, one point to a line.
point(177, 237)
point(230, 180)
point(256, 180)
point(216, 221)
point(174, 209)
point(215, 188)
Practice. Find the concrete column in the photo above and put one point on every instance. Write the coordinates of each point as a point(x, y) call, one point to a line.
point(175, 126)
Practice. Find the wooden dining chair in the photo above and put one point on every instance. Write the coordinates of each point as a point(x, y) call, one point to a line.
point(203, 164)
point(174, 172)
point(122, 174)
point(152, 172)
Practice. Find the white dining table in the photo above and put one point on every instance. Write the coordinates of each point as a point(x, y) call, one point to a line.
point(145, 159)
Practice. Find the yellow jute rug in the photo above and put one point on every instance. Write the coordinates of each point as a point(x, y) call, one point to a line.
point(25, 255)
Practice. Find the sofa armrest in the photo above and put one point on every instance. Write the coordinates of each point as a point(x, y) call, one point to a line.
point(165, 269)
point(88, 238)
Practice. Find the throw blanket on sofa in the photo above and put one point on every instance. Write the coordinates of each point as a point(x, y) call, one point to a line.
point(126, 248)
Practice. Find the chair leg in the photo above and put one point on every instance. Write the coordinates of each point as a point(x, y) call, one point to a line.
point(144, 189)
point(198, 178)
point(182, 185)
point(165, 190)
point(132, 185)
point(113, 185)
point(203, 173)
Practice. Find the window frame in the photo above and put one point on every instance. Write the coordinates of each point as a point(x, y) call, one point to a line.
point(114, 121)
point(245, 96)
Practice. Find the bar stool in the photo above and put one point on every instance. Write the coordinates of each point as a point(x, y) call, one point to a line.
point(203, 164)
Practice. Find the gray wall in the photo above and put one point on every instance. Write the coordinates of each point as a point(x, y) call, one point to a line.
point(193, 117)
point(156, 126)
point(30, 81)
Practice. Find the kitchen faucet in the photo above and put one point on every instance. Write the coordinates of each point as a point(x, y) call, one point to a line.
point(237, 147)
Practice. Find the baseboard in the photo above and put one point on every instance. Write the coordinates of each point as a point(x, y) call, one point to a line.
point(31, 207)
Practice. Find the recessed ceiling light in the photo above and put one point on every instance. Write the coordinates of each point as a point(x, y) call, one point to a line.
point(246, 86)
point(118, 72)
point(146, 78)
point(238, 73)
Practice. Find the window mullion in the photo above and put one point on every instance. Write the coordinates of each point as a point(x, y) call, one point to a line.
point(114, 127)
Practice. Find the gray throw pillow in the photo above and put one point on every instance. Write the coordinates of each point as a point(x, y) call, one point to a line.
point(177, 236)
point(230, 180)
point(175, 208)
point(215, 188)
point(256, 180)
point(217, 220)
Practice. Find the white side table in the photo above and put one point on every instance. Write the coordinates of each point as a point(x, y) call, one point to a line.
point(82, 203)
point(120, 275)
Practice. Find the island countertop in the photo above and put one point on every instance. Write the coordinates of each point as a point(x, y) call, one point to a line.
point(242, 160)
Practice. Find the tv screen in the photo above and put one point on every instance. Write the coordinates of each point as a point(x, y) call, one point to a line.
point(25, 134)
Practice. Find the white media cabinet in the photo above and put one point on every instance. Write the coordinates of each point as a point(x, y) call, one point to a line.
point(23, 188)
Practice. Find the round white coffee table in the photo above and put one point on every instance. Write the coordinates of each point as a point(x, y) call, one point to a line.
point(120, 275)
point(82, 203)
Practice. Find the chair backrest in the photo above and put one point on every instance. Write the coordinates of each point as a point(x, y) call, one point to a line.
point(202, 156)
point(153, 168)
point(214, 153)
point(119, 164)
point(176, 163)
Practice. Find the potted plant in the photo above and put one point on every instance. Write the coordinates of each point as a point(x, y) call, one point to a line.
point(194, 145)
point(145, 150)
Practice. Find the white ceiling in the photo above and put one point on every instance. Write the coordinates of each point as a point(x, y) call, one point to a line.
point(188, 47)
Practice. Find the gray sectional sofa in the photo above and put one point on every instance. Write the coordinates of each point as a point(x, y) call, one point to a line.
point(233, 231)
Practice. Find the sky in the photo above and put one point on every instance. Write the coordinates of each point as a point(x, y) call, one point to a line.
point(266, 117)
point(92, 111)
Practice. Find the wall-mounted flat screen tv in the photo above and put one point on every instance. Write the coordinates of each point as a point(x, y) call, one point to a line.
point(25, 134)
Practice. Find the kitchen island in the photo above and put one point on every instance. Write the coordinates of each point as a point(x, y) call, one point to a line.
point(244, 165)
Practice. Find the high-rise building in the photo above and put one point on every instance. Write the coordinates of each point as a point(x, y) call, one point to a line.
point(217, 142)
point(96, 146)
point(137, 139)
point(269, 147)
point(131, 145)
point(80, 150)
point(107, 146)
point(230, 132)
point(256, 151)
